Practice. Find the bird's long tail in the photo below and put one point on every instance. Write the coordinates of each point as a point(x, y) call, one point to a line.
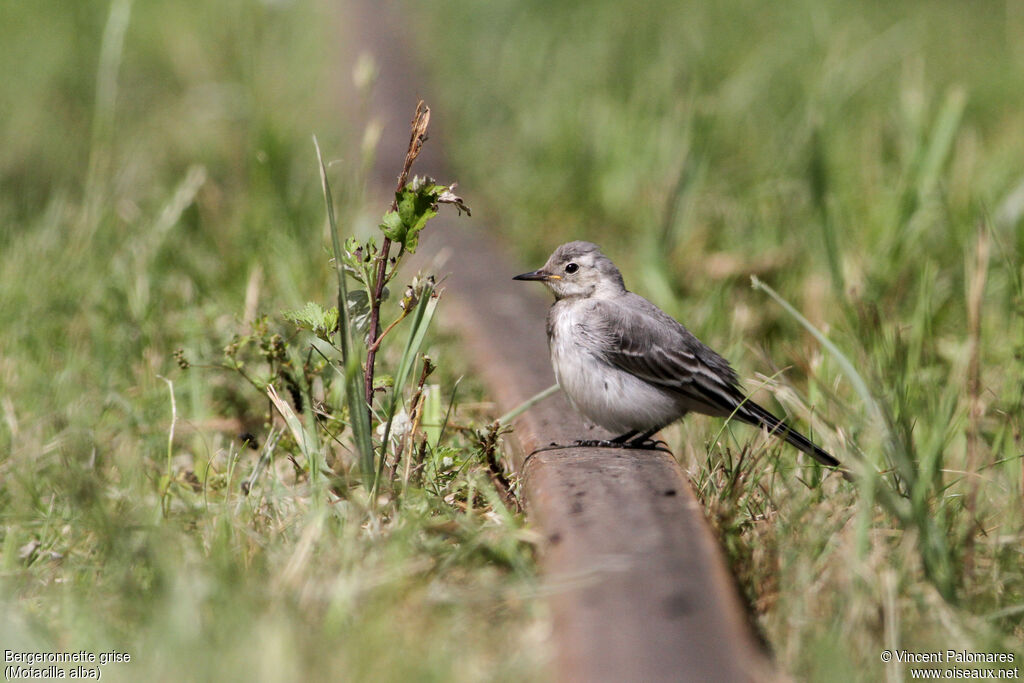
point(753, 414)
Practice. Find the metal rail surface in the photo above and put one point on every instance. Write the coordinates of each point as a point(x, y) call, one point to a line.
point(639, 589)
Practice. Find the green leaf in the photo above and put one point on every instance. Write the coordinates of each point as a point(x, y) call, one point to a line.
point(415, 208)
point(393, 227)
point(358, 303)
point(313, 317)
point(417, 203)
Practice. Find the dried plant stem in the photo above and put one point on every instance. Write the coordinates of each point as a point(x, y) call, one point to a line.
point(417, 137)
point(489, 444)
point(170, 447)
point(975, 405)
point(376, 345)
point(416, 416)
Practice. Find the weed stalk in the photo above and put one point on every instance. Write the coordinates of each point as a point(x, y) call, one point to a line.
point(418, 135)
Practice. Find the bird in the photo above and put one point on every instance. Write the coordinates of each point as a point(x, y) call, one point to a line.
point(628, 366)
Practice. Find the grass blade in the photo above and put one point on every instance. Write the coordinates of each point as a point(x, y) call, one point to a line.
point(527, 404)
point(102, 138)
point(359, 416)
point(294, 425)
point(859, 385)
point(421, 318)
point(941, 141)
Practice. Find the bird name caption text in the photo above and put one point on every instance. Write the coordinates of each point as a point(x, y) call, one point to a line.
point(81, 664)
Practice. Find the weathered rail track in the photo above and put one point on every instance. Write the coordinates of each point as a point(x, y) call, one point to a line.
point(640, 590)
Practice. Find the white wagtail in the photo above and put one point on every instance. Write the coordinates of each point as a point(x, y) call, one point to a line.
point(631, 368)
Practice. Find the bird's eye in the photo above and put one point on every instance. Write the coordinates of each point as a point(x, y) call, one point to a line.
point(571, 268)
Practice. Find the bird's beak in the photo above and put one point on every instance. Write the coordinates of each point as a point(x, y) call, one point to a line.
point(541, 275)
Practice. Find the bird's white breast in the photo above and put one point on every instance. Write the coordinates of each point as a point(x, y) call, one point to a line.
point(612, 398)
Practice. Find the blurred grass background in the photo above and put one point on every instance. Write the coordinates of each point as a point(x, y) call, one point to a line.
point(864, 159)
point(857, 157)
point(158, 190)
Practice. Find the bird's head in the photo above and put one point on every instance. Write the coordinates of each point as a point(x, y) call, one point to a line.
point(578, 269)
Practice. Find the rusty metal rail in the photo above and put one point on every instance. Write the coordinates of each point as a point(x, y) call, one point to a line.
point(639, 589)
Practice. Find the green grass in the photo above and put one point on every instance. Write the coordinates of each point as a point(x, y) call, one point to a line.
point(159, 191)
point(856, 157)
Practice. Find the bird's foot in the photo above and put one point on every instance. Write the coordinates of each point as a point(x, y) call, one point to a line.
point(641, 443)
point(599, 443)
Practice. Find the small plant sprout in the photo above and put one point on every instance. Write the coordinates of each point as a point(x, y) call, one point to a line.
point(321, 372)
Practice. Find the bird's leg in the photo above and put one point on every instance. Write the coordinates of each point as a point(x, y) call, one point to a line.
point(623, 438)
point(644, 440)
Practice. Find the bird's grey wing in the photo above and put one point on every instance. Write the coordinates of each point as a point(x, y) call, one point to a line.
point(636, 336)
